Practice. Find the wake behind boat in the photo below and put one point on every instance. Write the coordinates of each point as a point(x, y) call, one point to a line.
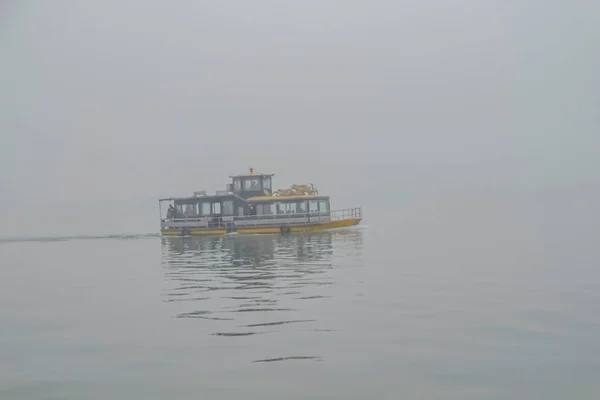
point(249, 205)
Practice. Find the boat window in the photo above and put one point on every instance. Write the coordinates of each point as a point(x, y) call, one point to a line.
point(286, 208)
point(280, 208)
point(269, 208)
point(237, 185)
point(216, 208)
point(228, 207)
point(301, 207)
point(260, 209)
point(267, 183)
point(179, 209)
point(189, 210)
point(290, 208)
point(205, 210)
point(252, 184)
point(313, 206)
point(323, 205)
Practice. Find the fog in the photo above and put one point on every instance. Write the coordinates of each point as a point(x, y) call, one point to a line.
point(106, 106)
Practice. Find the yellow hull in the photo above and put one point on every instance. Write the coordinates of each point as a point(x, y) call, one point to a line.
point(275, 229)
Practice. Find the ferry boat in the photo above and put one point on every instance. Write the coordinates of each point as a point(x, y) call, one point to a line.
point(249, 205)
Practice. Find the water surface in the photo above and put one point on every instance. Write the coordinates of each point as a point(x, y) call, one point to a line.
point(446, 307)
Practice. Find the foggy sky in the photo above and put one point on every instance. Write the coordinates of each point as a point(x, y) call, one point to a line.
point(105, 106)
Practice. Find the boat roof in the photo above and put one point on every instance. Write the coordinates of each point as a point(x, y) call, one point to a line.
point(203, 197)
point(276, 198)
point(255, 174)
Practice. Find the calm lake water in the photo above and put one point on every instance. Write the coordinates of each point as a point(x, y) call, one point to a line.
point(457, 303)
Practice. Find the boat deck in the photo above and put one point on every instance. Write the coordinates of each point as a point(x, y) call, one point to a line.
point(344, 217)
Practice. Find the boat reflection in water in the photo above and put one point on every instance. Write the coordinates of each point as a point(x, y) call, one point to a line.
point(240, 285)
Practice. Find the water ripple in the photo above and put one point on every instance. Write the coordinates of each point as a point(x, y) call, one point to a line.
point(252, 282)
point(41, 239)
point(278, 323)
point(288, 358)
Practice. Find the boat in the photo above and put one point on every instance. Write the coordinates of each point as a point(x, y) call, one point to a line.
point(249, 205)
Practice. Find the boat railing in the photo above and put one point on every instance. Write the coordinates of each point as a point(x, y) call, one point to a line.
point(263, 220)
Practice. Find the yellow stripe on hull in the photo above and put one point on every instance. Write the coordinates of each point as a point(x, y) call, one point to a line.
point(327, 225)
point(275, 229)
point(196, 232)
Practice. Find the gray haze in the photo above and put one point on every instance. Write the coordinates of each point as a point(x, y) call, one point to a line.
point(107, 105)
